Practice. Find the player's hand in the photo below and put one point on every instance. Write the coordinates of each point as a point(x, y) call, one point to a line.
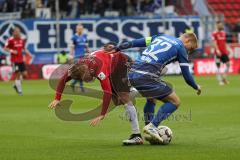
point(71, 57)
point(53, 104)
point(218, 53)
point(14, 51)
point(199, 90)
point(96, 120)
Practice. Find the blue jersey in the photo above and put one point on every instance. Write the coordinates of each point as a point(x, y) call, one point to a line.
point(80, 44)
point(161, 50)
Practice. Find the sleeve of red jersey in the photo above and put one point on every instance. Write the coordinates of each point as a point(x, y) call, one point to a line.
point(8, 43)
point(107, 94)
point(213, 36)
point(61, 85)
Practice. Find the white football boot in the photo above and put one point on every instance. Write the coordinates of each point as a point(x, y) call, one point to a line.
point(151, 130)
point(135, 139)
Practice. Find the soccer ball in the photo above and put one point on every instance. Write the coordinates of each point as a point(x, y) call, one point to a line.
point(164, 132)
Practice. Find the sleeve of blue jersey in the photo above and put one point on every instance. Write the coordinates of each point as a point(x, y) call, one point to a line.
point(73, 39)
point(134, 43)
point(184, 65)
point(188, 76)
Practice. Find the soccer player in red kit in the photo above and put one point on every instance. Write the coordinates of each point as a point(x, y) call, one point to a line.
point(111, 70)
point(221, 52)
point(15, 45)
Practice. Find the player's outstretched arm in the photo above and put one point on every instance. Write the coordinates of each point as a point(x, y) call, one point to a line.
point(60, 87)
point(142, 42)
point(184, 65)
point(27, 51)
point(107, 96)
point(8, 48)
point(189, 78)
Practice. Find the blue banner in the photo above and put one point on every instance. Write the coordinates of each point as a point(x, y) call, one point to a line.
point(42, 42)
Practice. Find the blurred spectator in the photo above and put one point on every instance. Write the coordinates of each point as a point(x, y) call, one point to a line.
point(21, 4)
point(73, 8)
point(28, 12)
point(11, 6)
point(62, 57)
point(63, 7)
point(189, 29)
point(146, 6)
point(98, 7)
point(2, 5)
point(76, 8)
point(120, 6)
point(134, 7)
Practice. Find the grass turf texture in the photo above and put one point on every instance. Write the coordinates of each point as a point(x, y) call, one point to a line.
point(28, 130)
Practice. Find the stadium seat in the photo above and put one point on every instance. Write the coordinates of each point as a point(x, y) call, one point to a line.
point(230, 9)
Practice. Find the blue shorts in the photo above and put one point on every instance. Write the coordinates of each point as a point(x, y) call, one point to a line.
point(149, 86)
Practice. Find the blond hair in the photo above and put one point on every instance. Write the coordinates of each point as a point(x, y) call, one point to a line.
point(192, 38)
point(77, 70)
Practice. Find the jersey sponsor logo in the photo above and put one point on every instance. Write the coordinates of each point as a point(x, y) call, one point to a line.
point(101, 76)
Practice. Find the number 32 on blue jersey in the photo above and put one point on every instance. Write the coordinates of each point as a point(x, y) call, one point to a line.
point(158, 46)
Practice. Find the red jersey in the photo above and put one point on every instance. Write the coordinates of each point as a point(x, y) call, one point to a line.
point(99, 63)
point(17, 44)
point(220, 38)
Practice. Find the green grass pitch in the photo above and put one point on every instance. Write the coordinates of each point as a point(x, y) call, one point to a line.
point(204, 127)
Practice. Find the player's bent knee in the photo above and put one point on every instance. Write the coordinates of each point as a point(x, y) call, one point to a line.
point(174, 99)
point(177, 102)
point(151, 100)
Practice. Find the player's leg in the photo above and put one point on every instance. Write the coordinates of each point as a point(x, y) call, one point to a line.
point(81, 86)
point(73, 84)
point(225, 59)
point(131, 113)
point(171, 103)
point(148, 110)
point(17, 85)
point(218, 73)
point(152, 88)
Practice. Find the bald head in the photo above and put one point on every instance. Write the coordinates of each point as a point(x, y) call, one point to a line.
point(79, 29)
point(16, 32)
point(190, 41)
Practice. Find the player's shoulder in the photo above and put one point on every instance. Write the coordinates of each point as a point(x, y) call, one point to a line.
point(98, 52)
point(10, 38)
point(215, 32)
point(24, 40)
point(74, 36)
point(171, 39)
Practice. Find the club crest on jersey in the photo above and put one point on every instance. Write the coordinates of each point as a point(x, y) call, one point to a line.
point(101, 76)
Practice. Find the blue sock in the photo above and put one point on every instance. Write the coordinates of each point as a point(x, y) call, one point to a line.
point(148, 111)
point(74, 82)
point(165, 111)
point(81, 84)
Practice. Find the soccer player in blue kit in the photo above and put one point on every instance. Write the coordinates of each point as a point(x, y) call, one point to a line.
point(145, 74)
point(78, 49)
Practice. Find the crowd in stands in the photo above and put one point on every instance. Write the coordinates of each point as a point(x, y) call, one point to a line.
point(78, 8)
